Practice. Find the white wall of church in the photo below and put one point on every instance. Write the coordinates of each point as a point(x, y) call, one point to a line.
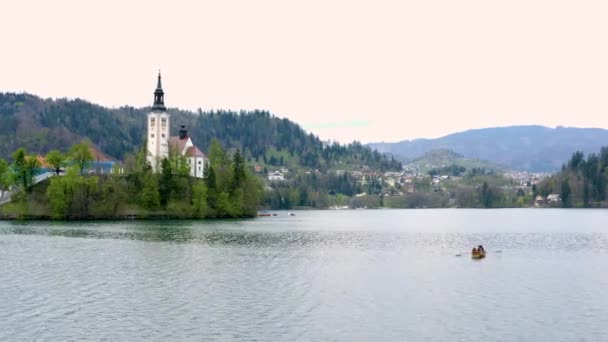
point(197, 167)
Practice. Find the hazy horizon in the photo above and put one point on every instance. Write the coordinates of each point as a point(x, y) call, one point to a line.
point(368, 71)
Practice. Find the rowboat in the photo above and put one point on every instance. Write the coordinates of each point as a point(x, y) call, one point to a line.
point(478, 254)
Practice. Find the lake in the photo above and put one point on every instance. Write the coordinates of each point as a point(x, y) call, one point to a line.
point(352, 275)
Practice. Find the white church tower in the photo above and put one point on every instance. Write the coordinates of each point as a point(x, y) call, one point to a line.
point(158, 129)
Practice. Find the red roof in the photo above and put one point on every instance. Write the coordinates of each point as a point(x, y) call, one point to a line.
point(194, 152)
point(176, 142)
point(99, 156)
point(42, 162)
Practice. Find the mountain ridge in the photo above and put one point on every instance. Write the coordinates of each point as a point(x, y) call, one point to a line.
point(524, 147)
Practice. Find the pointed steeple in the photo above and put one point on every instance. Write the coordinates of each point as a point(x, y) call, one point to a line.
point(159, 96)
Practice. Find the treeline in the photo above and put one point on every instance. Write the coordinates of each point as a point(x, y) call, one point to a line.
point(42, 125)
point(133, 190)
point(582, 181)
point(316, 190)
point(450, 170)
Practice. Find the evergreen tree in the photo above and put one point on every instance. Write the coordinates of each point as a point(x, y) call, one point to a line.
point(238, 165)
point(486, 195)
point(565, 193)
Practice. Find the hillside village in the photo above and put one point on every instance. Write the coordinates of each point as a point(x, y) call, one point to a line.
point(370, 188)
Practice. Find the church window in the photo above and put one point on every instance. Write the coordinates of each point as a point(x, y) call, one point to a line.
point(199, 162)
point(152, 122)
point(152, 135)
point(162, 135)
point(163, 122)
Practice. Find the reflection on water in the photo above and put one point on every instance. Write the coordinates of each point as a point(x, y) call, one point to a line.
point(339, 276)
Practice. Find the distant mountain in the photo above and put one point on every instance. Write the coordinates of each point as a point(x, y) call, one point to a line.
point(436, 159)
point(531, 148)
point(40, 125)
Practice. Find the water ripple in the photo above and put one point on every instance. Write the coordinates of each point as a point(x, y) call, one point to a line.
point(322, 276)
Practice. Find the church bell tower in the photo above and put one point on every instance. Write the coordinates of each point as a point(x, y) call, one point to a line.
point(158, 129)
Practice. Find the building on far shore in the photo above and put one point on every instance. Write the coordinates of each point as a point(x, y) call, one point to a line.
point(160, 143)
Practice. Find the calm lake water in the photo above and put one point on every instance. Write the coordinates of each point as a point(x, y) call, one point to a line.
point(364, 275)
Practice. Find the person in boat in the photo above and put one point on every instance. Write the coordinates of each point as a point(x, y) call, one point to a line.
point(474, 251)
point(480, 248)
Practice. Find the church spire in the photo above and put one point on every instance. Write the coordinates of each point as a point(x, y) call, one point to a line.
point(159, 96)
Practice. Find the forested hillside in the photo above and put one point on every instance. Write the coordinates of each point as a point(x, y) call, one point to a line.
point(582, 182)
point(41, 125)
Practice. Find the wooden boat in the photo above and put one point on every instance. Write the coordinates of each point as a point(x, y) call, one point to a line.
point(478, 254)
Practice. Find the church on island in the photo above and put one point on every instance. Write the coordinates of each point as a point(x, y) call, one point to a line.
point(161, 144)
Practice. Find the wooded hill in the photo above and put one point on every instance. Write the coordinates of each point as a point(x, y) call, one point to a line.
point(582, 182)
point(40, 125)
point(437, 159)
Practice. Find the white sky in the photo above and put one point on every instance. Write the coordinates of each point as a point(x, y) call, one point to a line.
point(368, 70)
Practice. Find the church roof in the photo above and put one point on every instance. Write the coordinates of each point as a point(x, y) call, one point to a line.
point(194, 152)
point(177, 143)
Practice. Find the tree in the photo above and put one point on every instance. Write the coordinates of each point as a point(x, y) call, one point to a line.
point(56, 160)
point(6, 177)
point(565, 193)
point(19, 166)
point(166, 181)
point(486, 195)
point(217, 156)
point(56, 194)
point(199, 199)
point(81, 154)
point(30, 166)
point(238, 165)
point(25, 166)
point(149, 196)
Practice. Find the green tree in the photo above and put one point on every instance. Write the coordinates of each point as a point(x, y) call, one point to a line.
point(238, 165)
point(56, 160)
point(199, 199)
point(6, 176)
point(149, 196)
point(81, 154)
point(19, 164)
point(486, 195)
point(25, 167)
point(217, 156)
point(565, 193)
point(56, 194)
point(166, 181)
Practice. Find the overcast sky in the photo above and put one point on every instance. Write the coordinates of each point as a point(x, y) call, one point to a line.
point(367, 70)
